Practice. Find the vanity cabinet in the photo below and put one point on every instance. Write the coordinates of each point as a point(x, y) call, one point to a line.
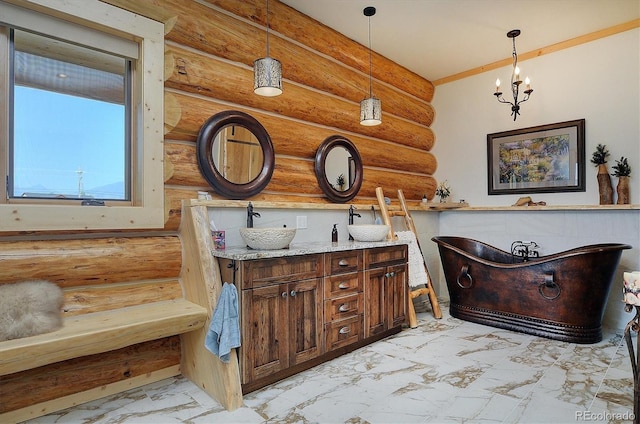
point(385, 279)
point(343, 299)
point(298, 311)
point(281, 312)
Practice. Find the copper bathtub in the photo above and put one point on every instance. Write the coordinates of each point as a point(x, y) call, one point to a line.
point(560, 296)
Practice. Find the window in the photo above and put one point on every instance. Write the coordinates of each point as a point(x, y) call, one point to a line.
point(80, 117)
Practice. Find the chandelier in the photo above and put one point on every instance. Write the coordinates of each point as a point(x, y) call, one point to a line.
point(515, 81)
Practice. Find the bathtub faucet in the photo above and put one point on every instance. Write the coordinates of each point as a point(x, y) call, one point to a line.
point(250, 215)
point(525, 249)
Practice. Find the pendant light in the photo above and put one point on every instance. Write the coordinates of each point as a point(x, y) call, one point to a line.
point(371, 107)
point(267, 72)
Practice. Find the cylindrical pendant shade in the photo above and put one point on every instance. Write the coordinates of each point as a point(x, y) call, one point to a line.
point(371, 112)
point(267, 77)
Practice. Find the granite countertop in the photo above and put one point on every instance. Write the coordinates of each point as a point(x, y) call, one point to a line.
point(296, 249)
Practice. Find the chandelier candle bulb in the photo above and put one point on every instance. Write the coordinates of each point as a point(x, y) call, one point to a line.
point(497, 85)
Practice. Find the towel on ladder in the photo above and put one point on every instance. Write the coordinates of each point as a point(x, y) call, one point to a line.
point(417, 273)
point(224, 330)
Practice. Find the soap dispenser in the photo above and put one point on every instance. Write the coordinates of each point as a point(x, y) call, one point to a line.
point(334, 234)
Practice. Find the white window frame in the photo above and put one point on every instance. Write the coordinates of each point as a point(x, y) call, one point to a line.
point(146, 210)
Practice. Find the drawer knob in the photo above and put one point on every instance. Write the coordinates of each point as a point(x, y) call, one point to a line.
point(344, 285)
point(343, 262)
point(344, 307)
point(293, 293)
point(345, 330)
point(284, 294)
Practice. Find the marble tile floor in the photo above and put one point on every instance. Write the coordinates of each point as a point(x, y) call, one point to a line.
point(444, 371)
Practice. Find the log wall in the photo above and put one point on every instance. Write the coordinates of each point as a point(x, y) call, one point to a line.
point(209, 52)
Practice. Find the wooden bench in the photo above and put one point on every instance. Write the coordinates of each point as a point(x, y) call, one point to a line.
point(125, 321)
point(99, 332)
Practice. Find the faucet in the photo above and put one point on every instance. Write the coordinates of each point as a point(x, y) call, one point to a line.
point(250, 215)
point(525, 249)
point(351, 215)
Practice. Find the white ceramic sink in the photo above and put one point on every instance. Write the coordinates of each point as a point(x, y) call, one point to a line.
point(364, 232)
point(271, 238)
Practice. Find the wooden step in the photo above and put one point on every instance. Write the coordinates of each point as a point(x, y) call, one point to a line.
point(99, 332)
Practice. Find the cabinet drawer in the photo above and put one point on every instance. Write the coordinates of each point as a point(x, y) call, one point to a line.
point(343, 307)
point(341, 262)
point(381, 256)
point(343, 332)
point(343, 284)
point(262, 272)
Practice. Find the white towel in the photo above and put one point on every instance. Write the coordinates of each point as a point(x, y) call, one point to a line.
point(417, 274)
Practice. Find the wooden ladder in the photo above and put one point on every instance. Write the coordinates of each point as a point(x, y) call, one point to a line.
point(413, 293)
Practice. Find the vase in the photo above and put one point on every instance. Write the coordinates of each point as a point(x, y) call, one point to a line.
point(604, 185)
point(623, 190)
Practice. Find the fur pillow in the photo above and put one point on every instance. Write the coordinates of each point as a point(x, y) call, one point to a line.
point(29, 308)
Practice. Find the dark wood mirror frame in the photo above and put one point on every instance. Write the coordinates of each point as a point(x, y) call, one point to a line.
point(204, 154)
point(321, 157)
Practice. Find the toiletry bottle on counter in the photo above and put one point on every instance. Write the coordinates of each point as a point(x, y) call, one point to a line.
point(334, 234)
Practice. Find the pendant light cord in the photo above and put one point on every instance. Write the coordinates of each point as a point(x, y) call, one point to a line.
point(267, 28)
point(370, 60)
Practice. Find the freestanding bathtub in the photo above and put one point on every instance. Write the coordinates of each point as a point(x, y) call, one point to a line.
point(560, 296)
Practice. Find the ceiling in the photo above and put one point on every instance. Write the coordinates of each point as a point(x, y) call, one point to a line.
point(440, 38)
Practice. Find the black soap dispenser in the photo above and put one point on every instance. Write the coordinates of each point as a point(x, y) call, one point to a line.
point(334, 234)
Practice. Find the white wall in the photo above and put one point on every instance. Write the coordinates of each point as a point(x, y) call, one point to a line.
point(598, 81)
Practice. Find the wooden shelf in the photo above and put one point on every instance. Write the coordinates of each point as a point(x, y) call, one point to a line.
point(430, 206)
point(442, 206)
point(552, 208)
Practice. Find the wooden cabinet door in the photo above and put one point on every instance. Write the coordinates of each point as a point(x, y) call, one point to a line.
point(375, 305)
point(305, 320)
point(265, 346)
point(396, 294)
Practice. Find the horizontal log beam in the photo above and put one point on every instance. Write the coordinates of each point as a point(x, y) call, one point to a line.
point(42, 384)
point(196, 72)
point(189, 113)
point(295, 25)
point(180, 158)
point(84, 300)
point(86, 262)
point(222, 35)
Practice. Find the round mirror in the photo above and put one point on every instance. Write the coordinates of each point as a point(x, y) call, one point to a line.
point(235, 154)
point(338, 168)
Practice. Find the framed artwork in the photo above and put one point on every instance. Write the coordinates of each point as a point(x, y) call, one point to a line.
point(543, 159)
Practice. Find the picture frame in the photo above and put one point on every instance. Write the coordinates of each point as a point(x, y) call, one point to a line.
point(543, 159)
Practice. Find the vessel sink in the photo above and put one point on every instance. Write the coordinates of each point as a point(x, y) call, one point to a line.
point(373, 232)
point(271, 238)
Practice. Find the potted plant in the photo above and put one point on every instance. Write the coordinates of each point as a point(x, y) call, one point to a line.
point(622, 170)
point(599, 159)
point(340, 181)
point(443, 191)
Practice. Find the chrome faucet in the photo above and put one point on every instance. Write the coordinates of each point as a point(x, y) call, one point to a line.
point(351, 215)
point(250, 215)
